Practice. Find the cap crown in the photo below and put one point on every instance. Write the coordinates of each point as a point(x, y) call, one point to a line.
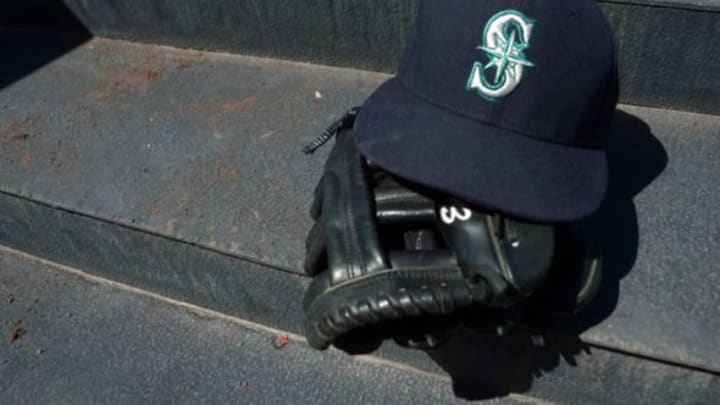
point(540, 68)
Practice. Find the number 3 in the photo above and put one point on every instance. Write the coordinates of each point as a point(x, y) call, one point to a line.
point(451, 214)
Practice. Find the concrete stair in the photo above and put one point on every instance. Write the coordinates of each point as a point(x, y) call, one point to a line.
point(667, 48)
point(134, 347)
point(179, 172)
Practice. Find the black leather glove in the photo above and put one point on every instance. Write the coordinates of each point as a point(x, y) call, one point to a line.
point(359, 281)
point(382, 249)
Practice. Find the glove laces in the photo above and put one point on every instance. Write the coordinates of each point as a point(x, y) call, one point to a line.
point(346, 121)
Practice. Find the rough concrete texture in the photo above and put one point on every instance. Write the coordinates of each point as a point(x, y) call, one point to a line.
point(666, 48)
point(203, 148)
point(199, 146)
point(70, 340)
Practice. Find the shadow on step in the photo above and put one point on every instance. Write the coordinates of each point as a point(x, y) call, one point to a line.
point(25, 44)
point(635, 159)
point(484, 365)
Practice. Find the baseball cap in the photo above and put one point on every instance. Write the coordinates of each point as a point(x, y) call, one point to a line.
point(502, 103)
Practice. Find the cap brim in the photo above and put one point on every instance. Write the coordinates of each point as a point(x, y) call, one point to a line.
point(481, 164)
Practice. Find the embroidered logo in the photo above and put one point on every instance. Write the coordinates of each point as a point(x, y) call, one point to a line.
point(505, 39)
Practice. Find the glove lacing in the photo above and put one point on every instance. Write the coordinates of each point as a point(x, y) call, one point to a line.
point(346, 121)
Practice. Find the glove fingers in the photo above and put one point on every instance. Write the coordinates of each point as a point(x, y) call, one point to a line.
point(513, 257)
point(316, 252)
point(529, 250)
point(316, 206)
point(352, 239)
point(396, 204)
point(470, 235)
point(357, 282)
point(406, 215)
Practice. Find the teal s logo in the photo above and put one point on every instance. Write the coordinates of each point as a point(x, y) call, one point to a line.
point(507, 35)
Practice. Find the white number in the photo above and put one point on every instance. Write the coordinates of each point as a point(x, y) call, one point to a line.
point(451, 214)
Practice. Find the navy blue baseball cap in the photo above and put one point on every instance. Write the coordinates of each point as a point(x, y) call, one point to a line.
point(501, 103)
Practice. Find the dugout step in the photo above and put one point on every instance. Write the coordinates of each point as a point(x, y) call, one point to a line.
point(667, 49)
point(181, 172)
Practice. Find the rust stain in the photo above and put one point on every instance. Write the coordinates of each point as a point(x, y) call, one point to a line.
point(152, 210)
point(184, 64)
point(29, 159)
point(124, 78)
point(215, 107)
point(151, 76)
point(242, 105)
point(18, 141)
point(170, 226)
point(228, 173)
point(17, 333)
point(63, 156)
point(199, 183)
point(20, 129)
point(213, 112)
point(224, 167)
point(19, 137)
point(14, 133)
point(149, 64)
point(281, 341)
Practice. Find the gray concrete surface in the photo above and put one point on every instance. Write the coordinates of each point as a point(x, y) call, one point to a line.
point(174, 268)
point(72, 338)
point(69, 340)
point(564, 370)
point(203, 149)
point(667, 48)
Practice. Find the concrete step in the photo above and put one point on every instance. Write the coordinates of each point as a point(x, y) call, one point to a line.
point(90, 340)
point(667, 48)
point(70, 339)
point(180, 172)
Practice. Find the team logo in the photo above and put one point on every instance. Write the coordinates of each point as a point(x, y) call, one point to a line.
point(505, 39)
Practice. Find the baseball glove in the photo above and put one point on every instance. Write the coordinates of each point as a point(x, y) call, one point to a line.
point(382, 249)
